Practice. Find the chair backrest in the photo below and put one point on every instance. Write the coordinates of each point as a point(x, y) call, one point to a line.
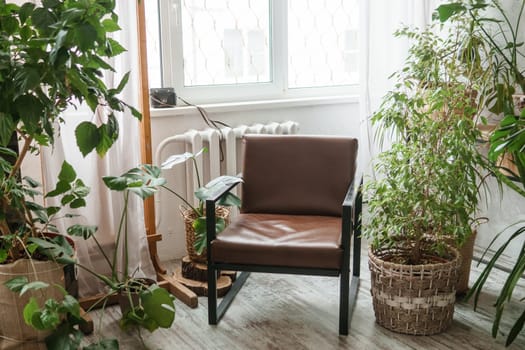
point(297, 175)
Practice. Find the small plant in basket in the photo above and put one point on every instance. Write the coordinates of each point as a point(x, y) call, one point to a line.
point(195, 215)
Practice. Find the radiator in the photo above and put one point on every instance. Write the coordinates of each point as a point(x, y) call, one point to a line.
point(212, 163)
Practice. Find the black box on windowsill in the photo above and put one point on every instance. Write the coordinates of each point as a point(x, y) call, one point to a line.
point(162, 97)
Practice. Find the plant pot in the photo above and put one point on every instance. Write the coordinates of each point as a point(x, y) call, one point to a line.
point(189, 217)
point(413, 299)
point(14, 332)
point(132, 291)
point(466, 251)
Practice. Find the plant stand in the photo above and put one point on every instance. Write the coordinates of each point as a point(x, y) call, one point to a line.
point(193, 275)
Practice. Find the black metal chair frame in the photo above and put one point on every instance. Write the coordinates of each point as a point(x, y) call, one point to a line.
point(352, 204)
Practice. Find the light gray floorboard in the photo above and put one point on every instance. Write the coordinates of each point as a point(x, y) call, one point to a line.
point(301, 312)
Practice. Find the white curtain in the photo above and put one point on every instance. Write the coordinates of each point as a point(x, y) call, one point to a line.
point(381, 55)
point(104, 208)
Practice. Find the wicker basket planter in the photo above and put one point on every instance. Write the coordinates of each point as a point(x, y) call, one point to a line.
point(413, 299)
point(14, 332)
point(189, 216)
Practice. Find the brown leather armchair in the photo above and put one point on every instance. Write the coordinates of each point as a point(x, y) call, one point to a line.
point(300, 210)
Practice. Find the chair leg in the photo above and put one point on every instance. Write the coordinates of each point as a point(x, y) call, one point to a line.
point(212, 295)
point(344, 301)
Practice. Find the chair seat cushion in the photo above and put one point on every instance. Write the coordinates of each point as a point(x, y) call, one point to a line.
point(281, 240)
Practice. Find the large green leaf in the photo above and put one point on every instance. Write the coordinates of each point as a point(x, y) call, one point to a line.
point(87, 136)
point(143, 181)
point(158, 305)
point(218, 185)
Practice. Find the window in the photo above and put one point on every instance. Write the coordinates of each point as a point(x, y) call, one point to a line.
point(234, 50)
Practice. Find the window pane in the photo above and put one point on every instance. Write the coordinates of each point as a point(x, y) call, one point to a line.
point(225, 41)
point(151, 9)
point(322, 42)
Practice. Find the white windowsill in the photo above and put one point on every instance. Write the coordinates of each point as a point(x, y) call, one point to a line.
point(255, 105)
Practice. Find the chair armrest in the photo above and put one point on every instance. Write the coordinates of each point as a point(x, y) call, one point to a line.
point(210, 211)
point(352, 193)
point(222, 190)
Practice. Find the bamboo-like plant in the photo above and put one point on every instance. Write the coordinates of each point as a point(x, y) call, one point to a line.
point(429, 180)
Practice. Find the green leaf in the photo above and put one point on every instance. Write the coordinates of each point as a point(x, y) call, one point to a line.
point(123, 83)
point(229, 200)
point(85, 35)
point(33, 286)
point(7, 127)
point(30, 109)
point(87, 136)
point(158, 305)
point(516, 329)
point(448, 10)
point(78, 203)
point(67, 173)
point(71, 305)
point(115, 183)
point(114, 48)
point(30, 310)
point(106, 139)
point(82, 231)
point(68, 198)
point(16, 284)
point(3, 255)
point(10, 25)
point(61, 188)
point(42, 18)
point(65, 337)
point(25, 11)
point(50, 3)
point(110, 25)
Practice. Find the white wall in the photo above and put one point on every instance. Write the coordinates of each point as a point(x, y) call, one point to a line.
point(330, 117)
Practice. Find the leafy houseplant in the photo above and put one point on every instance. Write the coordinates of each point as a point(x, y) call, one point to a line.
point(196, 215)
point(52, 57)
point(146, 304)
point(498, 28)
point(427, 190)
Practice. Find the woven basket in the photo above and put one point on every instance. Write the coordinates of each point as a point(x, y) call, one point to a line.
point(189, 216)
point(413, 299)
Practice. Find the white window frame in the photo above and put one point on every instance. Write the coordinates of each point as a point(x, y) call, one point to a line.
point(277, 88)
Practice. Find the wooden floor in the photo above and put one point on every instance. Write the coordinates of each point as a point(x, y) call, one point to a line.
point(299, 312)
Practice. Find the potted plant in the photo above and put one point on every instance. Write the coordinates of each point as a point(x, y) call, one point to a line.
point(194, 215)
point(143, 303)
point(427, 189)
point(52, 56)
point(497, 26)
